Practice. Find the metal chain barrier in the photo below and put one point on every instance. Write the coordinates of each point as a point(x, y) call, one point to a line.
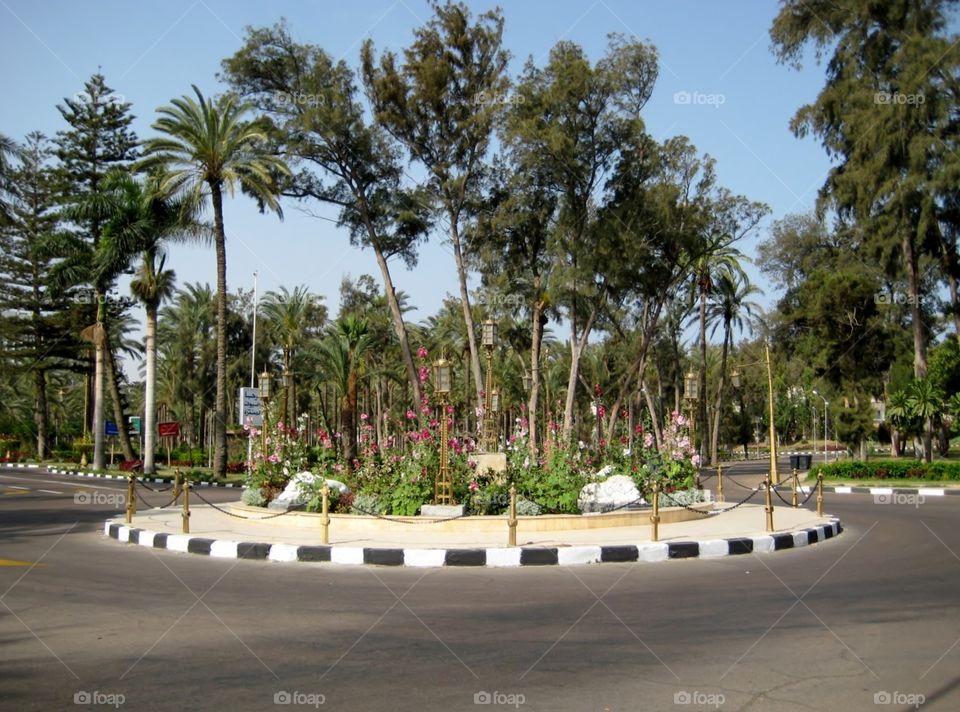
point(741, 502)
point(741, 486)
point(151, 506)
point(238, 516)
point(777, 492)
point(405, 521)
point(154, 489)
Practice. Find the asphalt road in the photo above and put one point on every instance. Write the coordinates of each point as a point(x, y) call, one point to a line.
point(845, 625)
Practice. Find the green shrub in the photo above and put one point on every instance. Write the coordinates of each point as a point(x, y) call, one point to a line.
point(890, 469)
point(526, 508)
point(253, 498)
point(368, 504)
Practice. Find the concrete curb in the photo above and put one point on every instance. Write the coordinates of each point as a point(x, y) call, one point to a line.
point(155, 480)
point(490, 558)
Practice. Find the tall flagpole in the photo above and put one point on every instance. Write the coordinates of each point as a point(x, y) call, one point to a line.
point(253, 365)
point(253, 343)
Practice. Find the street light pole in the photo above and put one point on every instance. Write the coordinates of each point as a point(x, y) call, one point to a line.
point(443, 484)
point(826, 432)
point(773, 427)
point(771, 411)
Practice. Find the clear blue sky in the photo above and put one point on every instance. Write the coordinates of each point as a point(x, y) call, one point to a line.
point(152, 52)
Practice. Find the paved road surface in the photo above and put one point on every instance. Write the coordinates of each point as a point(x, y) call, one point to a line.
point(831, 627)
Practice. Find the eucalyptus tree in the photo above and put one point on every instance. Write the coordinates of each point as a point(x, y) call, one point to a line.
point(510, 239)
point(574, 118)
point(886, 117)
point(340, 158)
point(442, 103)
point(99, 139)
point(207, 147)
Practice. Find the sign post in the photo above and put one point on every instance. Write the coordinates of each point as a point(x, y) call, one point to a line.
point(167, 431)
point(250, 409)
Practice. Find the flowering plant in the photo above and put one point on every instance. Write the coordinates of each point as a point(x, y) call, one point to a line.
point(278, 453)
point(676, 463)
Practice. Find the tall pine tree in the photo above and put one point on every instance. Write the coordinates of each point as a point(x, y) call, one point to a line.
point(35, 323)
point(99, 139)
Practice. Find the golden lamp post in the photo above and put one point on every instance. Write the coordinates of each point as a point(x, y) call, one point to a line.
point(771, 412)
point(443, 484)
point(489, 342)
point(691, 383)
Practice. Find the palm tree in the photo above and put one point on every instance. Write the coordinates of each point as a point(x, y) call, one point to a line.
point(185, 333)
point(900, 416)
point(344, 351)
point(143, 221)
point(293, 318)
point(208, 147)
point(731, 308)
point(716, 260)
point(925, 401)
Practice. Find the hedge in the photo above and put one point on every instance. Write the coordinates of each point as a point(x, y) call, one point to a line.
point(889, 470)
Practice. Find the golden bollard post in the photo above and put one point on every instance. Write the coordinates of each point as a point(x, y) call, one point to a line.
point(131, 497)
point(769, 506)
point(325, 516)
point(512, 517)
point(655, 517)
point(819, 494)
point(794, 502)
point(185, 516)
point(720, 483)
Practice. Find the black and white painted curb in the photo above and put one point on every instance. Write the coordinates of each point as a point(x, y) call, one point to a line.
point(879, 491)
point(493, 557)
point(125, 477)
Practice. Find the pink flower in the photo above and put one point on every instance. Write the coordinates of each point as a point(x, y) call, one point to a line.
point(422, 352)
point(474, 486)
point(410, 414)
point(364, 416)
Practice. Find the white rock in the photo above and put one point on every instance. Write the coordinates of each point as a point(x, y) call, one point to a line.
point(297, 489)
point(615, 491)
point(607, 469)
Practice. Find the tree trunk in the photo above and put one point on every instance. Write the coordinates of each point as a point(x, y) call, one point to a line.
point(399, 327)
point(654, 417)
point(348, 414)
point(113, 382)
point(715, 436)
point(577, 344)
point(150, 392)
point(99, 454)
point(220, 407)
point(700, 417)
point(638, 367)
point(536, 339)
point(40, 414)
point(465, 302)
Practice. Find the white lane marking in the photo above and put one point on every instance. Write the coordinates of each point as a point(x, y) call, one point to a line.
point(50, 491)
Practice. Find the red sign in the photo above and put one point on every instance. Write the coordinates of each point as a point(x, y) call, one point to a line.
point(168, 430)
